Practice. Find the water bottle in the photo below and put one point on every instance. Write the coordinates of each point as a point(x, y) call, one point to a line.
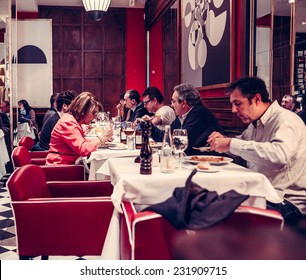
point(167, 159)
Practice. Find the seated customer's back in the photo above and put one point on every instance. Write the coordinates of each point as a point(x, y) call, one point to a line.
point(62, 102)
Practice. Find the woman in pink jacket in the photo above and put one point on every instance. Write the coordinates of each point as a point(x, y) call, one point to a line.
point(67, 139)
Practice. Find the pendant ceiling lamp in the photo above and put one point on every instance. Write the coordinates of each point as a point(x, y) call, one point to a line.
point(96, 8)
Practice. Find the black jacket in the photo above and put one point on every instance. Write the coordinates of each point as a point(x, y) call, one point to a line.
point(200, 123)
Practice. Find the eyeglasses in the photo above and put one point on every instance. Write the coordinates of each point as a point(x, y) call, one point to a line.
point(146, 102)
point(95, 113)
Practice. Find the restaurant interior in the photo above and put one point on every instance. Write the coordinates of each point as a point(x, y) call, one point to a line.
point(136, 44)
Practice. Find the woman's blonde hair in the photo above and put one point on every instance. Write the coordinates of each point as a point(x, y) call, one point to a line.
point(82, 104)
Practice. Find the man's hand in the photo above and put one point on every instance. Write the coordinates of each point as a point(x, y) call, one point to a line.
point(219, 142)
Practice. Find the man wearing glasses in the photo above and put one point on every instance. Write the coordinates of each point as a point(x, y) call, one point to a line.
point(132, 101)
point(153, 101)
point(191, 115)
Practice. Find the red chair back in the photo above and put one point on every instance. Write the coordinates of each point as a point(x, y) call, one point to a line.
point(148, 236)
point(28, 181)
point(26, 142)
point(20, 156)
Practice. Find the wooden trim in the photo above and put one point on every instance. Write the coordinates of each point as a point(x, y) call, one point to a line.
point(154, 9)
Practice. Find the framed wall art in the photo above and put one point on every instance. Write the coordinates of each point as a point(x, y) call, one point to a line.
point(207, 43)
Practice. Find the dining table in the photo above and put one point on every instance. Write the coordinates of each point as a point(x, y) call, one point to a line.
point(98, 157)
point(145, 190)
point(4, 156)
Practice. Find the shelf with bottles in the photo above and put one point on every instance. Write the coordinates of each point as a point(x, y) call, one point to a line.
point(300, 69)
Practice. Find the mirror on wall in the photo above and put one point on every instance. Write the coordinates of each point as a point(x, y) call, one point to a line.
point(4, 48)
point(263, 43)
point(300, 52)
point(279, 48)
point(5, 64)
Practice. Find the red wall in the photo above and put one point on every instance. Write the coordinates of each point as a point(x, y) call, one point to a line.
point(135, 50)
point(156, 52)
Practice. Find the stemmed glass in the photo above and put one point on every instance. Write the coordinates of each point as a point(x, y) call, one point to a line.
point(180, 143)
point(116, 127)
point(129, 131)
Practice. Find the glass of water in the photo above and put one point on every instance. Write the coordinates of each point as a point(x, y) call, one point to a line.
point(180, 143)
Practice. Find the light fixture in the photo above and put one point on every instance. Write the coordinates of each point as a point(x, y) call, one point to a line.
point(96, 8)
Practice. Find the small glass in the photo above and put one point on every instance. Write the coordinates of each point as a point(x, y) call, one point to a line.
point(129, 131)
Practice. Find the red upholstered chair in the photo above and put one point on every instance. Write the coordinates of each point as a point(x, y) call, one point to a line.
point(148, 236)
point(28, 143)
point(47, 226)
point(21, 156)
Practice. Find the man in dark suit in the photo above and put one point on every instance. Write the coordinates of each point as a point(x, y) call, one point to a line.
point(63, 100)
point(132, 101)
point(192, 115)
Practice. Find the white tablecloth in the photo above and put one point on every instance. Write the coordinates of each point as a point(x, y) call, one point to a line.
point(98, 157)
point(130, 185)
point(4, 156)
point(143, 190)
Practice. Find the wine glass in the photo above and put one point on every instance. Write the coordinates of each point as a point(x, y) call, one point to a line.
point(129, 131)
point(116, 127)
point(180, 143)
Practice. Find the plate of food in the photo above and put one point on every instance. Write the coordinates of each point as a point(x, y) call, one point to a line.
point(206, 167)
point(107, 145)
point(213, 160)
point(155, 144)
point(118, 146)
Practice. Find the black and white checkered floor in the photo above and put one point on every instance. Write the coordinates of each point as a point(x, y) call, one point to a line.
point(8, 248)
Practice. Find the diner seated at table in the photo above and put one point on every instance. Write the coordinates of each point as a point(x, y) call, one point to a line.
point(191, 115)
point(5, 126)
point(52, 109)
point(68, 142)
point(273, 144)
point(123, 112)
point(5, 108)
point(132, 101)
point(62, 102)
point(26, 114)
point(153, 101)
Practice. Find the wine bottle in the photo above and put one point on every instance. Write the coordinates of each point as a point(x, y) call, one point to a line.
point(146, 152)
point(138, 137)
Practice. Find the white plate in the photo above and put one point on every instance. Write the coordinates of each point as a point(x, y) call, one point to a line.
point(210, 170)
point(209, 159)
point(118, 148)
point(107, 145)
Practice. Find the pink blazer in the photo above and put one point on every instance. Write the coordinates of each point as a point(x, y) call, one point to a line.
point(68, 142)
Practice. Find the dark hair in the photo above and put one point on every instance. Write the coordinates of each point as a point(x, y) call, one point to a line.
point(249, 86)
point(64, 97)
point(121, 96)
point(26, 105)
point(134, 94)
point(153, 92)
point(82, 104)
point(53, 98)
point(189, 93)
